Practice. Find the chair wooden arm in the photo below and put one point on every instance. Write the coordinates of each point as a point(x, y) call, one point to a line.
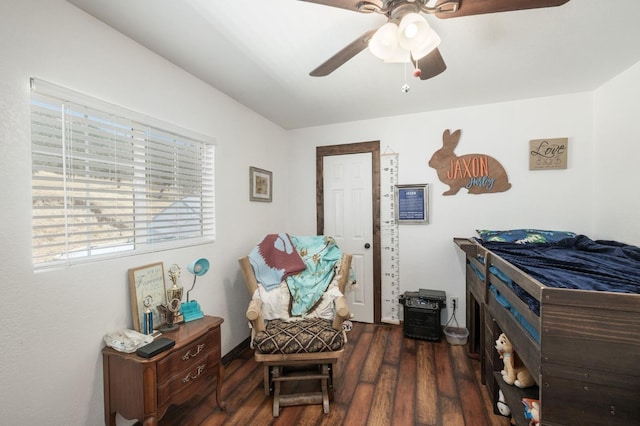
point(254, 315)
point(342, 312)
point(254, 312)
point(340, 304)
point(343, 271)
point(342, 309)
point(247, 273)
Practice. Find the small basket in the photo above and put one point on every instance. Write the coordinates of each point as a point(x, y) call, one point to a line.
point(455, 335)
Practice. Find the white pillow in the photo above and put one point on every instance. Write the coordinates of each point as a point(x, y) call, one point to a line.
point(275, 303)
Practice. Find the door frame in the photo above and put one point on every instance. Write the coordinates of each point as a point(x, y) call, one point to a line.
point(372, 147)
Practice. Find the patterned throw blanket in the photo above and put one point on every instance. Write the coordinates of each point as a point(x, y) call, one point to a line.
point(320, 254)
point(274, 259)
point(306, 264)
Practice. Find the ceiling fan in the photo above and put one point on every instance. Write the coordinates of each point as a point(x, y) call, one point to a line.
point(407, 37)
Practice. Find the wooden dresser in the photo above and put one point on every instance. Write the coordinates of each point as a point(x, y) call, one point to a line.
point(143, 389)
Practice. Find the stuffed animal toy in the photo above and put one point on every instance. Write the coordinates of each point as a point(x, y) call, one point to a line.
point(512, 374)
point(502, 406)
point(532, 411)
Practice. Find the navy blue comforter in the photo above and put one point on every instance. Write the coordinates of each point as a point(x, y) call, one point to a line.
point(577, 263)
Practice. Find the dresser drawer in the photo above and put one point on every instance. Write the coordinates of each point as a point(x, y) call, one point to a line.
point(182, 360)
point(191, 380)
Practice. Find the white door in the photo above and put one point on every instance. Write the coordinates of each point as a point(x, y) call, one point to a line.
point(348, 218)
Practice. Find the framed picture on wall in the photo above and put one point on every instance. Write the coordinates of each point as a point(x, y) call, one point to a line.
point(412, 204)
point(548, 154)
point(260, 184)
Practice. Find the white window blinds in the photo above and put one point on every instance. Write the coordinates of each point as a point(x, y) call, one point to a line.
point(107, 181)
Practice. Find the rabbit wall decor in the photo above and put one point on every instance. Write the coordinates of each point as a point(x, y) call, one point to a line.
point(478, 173)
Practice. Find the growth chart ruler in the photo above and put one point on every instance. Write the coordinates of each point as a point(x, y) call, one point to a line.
point(389, 249)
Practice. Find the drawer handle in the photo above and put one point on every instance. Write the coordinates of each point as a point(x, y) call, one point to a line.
point(191, 376)
point(188, 355)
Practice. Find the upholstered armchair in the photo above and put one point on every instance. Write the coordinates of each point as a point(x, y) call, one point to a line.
point(297, 323)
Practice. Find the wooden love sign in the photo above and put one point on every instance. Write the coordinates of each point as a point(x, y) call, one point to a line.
point(478, 173)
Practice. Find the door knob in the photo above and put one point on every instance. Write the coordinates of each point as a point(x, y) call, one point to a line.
point(367, 245)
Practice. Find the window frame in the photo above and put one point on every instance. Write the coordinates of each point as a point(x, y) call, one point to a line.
point(155, 153)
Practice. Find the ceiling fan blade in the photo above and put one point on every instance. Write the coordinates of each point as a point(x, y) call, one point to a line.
point(340, 58)
point(478, 7)
point(344, 4)
point(431, 65)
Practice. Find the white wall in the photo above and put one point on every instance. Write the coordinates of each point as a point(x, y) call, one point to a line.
point(53, 323)
point(616, 158)
point(558, 199)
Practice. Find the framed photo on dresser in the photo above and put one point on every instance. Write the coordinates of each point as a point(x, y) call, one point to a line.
point(146, 286)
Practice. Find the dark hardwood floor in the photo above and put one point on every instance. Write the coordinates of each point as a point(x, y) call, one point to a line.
point(383, 379)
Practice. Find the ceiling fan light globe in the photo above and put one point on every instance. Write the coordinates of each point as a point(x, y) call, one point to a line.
point(384, 42)
point(410, 31)
point(414, 31)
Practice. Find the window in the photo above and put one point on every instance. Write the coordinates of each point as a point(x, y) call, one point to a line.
point(107, 181)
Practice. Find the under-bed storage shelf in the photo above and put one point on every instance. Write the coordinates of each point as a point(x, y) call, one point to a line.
point(583, 349)
point(513, 397)
point(493, 379)
point(518, 337)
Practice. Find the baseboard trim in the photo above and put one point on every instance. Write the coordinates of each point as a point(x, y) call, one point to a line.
point(235, 352)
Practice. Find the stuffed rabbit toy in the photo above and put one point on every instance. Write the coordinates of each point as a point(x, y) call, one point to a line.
point(478, 173)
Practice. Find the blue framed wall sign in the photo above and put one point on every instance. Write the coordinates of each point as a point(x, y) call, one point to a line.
point(412, 203)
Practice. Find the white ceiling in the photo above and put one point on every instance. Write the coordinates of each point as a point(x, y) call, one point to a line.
point(261, 52)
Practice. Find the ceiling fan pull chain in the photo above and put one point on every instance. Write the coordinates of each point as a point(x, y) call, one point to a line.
point(417, 72)
point(405, 87)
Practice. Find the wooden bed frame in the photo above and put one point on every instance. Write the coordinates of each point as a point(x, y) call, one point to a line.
point(587, 363)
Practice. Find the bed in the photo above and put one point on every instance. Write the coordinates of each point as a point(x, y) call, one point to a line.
point(571, 308)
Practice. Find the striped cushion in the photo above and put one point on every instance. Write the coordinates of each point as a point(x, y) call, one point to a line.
point(309, 335)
